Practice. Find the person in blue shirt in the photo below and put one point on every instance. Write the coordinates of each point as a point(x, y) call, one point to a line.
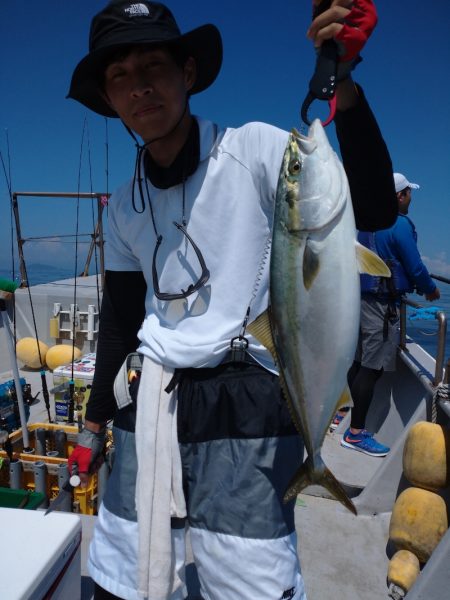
point(380, 301)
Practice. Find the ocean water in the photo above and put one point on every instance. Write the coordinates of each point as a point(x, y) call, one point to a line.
point(38, 273)
point(423, 332)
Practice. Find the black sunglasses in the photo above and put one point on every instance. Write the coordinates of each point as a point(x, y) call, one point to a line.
point(194, 286)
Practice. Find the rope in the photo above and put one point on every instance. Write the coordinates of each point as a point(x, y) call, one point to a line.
point(440, 394)
point(259, 276)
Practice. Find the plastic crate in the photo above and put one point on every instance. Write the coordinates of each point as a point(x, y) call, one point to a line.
point(20, 499)
point(84, 499)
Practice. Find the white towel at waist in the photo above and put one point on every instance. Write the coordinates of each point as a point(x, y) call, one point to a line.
point(159, 490)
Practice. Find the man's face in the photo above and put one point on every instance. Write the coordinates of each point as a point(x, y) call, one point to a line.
point(147, 89)
point(404, 200)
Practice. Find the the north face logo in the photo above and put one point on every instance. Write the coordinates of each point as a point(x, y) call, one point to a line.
point(288, 594)
point(138, 9)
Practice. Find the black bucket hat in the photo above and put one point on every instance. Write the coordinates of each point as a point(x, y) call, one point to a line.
point(124, 23)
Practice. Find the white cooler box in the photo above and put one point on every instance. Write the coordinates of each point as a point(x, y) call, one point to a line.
point(83, 374)
point(41, 557)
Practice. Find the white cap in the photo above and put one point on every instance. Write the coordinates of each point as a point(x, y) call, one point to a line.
point(401, 183)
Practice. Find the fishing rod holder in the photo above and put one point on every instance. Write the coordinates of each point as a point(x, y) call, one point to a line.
point(43, 471)
point(74, 321)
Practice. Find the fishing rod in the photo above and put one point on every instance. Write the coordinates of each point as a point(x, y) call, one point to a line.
point(72, 395)
point(8, 178)
point(41, 362)
point(8, 184)
point(76, 398)
point(440, 278)
point(7, 289)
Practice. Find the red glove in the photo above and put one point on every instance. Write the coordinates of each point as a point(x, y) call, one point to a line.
point(348, 22)
point(358, 26)
point(82, 457)
point(87, 454)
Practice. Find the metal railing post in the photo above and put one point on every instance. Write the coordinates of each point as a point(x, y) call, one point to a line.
point(440, 354)
point(97, 235)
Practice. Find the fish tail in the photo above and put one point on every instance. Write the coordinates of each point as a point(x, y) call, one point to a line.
point(310, 474)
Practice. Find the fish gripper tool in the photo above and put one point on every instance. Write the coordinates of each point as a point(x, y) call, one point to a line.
point(322, 85)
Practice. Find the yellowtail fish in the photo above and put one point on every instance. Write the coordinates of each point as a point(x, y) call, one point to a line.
point(311, 326)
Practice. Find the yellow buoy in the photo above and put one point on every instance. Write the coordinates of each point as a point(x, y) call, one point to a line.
point(418, 522)
point(27, 351)
point(61, 354)
point(403, 569)
point(425, 456)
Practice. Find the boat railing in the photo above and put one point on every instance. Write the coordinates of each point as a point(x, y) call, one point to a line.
point(97, 239)
point(441, 336)
point(441, 380)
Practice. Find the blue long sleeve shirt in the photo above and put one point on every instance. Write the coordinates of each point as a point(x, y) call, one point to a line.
point(400, 242)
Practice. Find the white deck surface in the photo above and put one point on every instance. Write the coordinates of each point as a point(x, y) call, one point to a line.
point(343, 557)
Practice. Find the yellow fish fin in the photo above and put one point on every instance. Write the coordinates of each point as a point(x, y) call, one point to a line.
point(317, 474)
point(345, 398)
point(261, 329)
point(371, 263)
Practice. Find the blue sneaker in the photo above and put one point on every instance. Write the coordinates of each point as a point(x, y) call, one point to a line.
point(363, 442)
point(336, 421)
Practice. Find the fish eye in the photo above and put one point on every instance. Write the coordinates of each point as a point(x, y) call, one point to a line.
point(294, 167)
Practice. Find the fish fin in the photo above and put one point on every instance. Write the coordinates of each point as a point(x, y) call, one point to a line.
point(371, 263)
point(290, 405)
point(311, 266)
point(261, 329)
point(344, 399)
point(318, 474)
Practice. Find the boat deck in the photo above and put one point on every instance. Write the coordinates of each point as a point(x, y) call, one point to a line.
point(330, 544)
point(330, 538)
point(342, 556)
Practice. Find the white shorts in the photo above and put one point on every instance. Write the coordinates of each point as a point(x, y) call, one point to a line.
point(239, 451)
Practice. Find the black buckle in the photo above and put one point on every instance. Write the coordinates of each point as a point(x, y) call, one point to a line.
point(238, 349)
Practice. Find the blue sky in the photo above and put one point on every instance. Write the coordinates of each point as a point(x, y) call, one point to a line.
point(267, 66)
